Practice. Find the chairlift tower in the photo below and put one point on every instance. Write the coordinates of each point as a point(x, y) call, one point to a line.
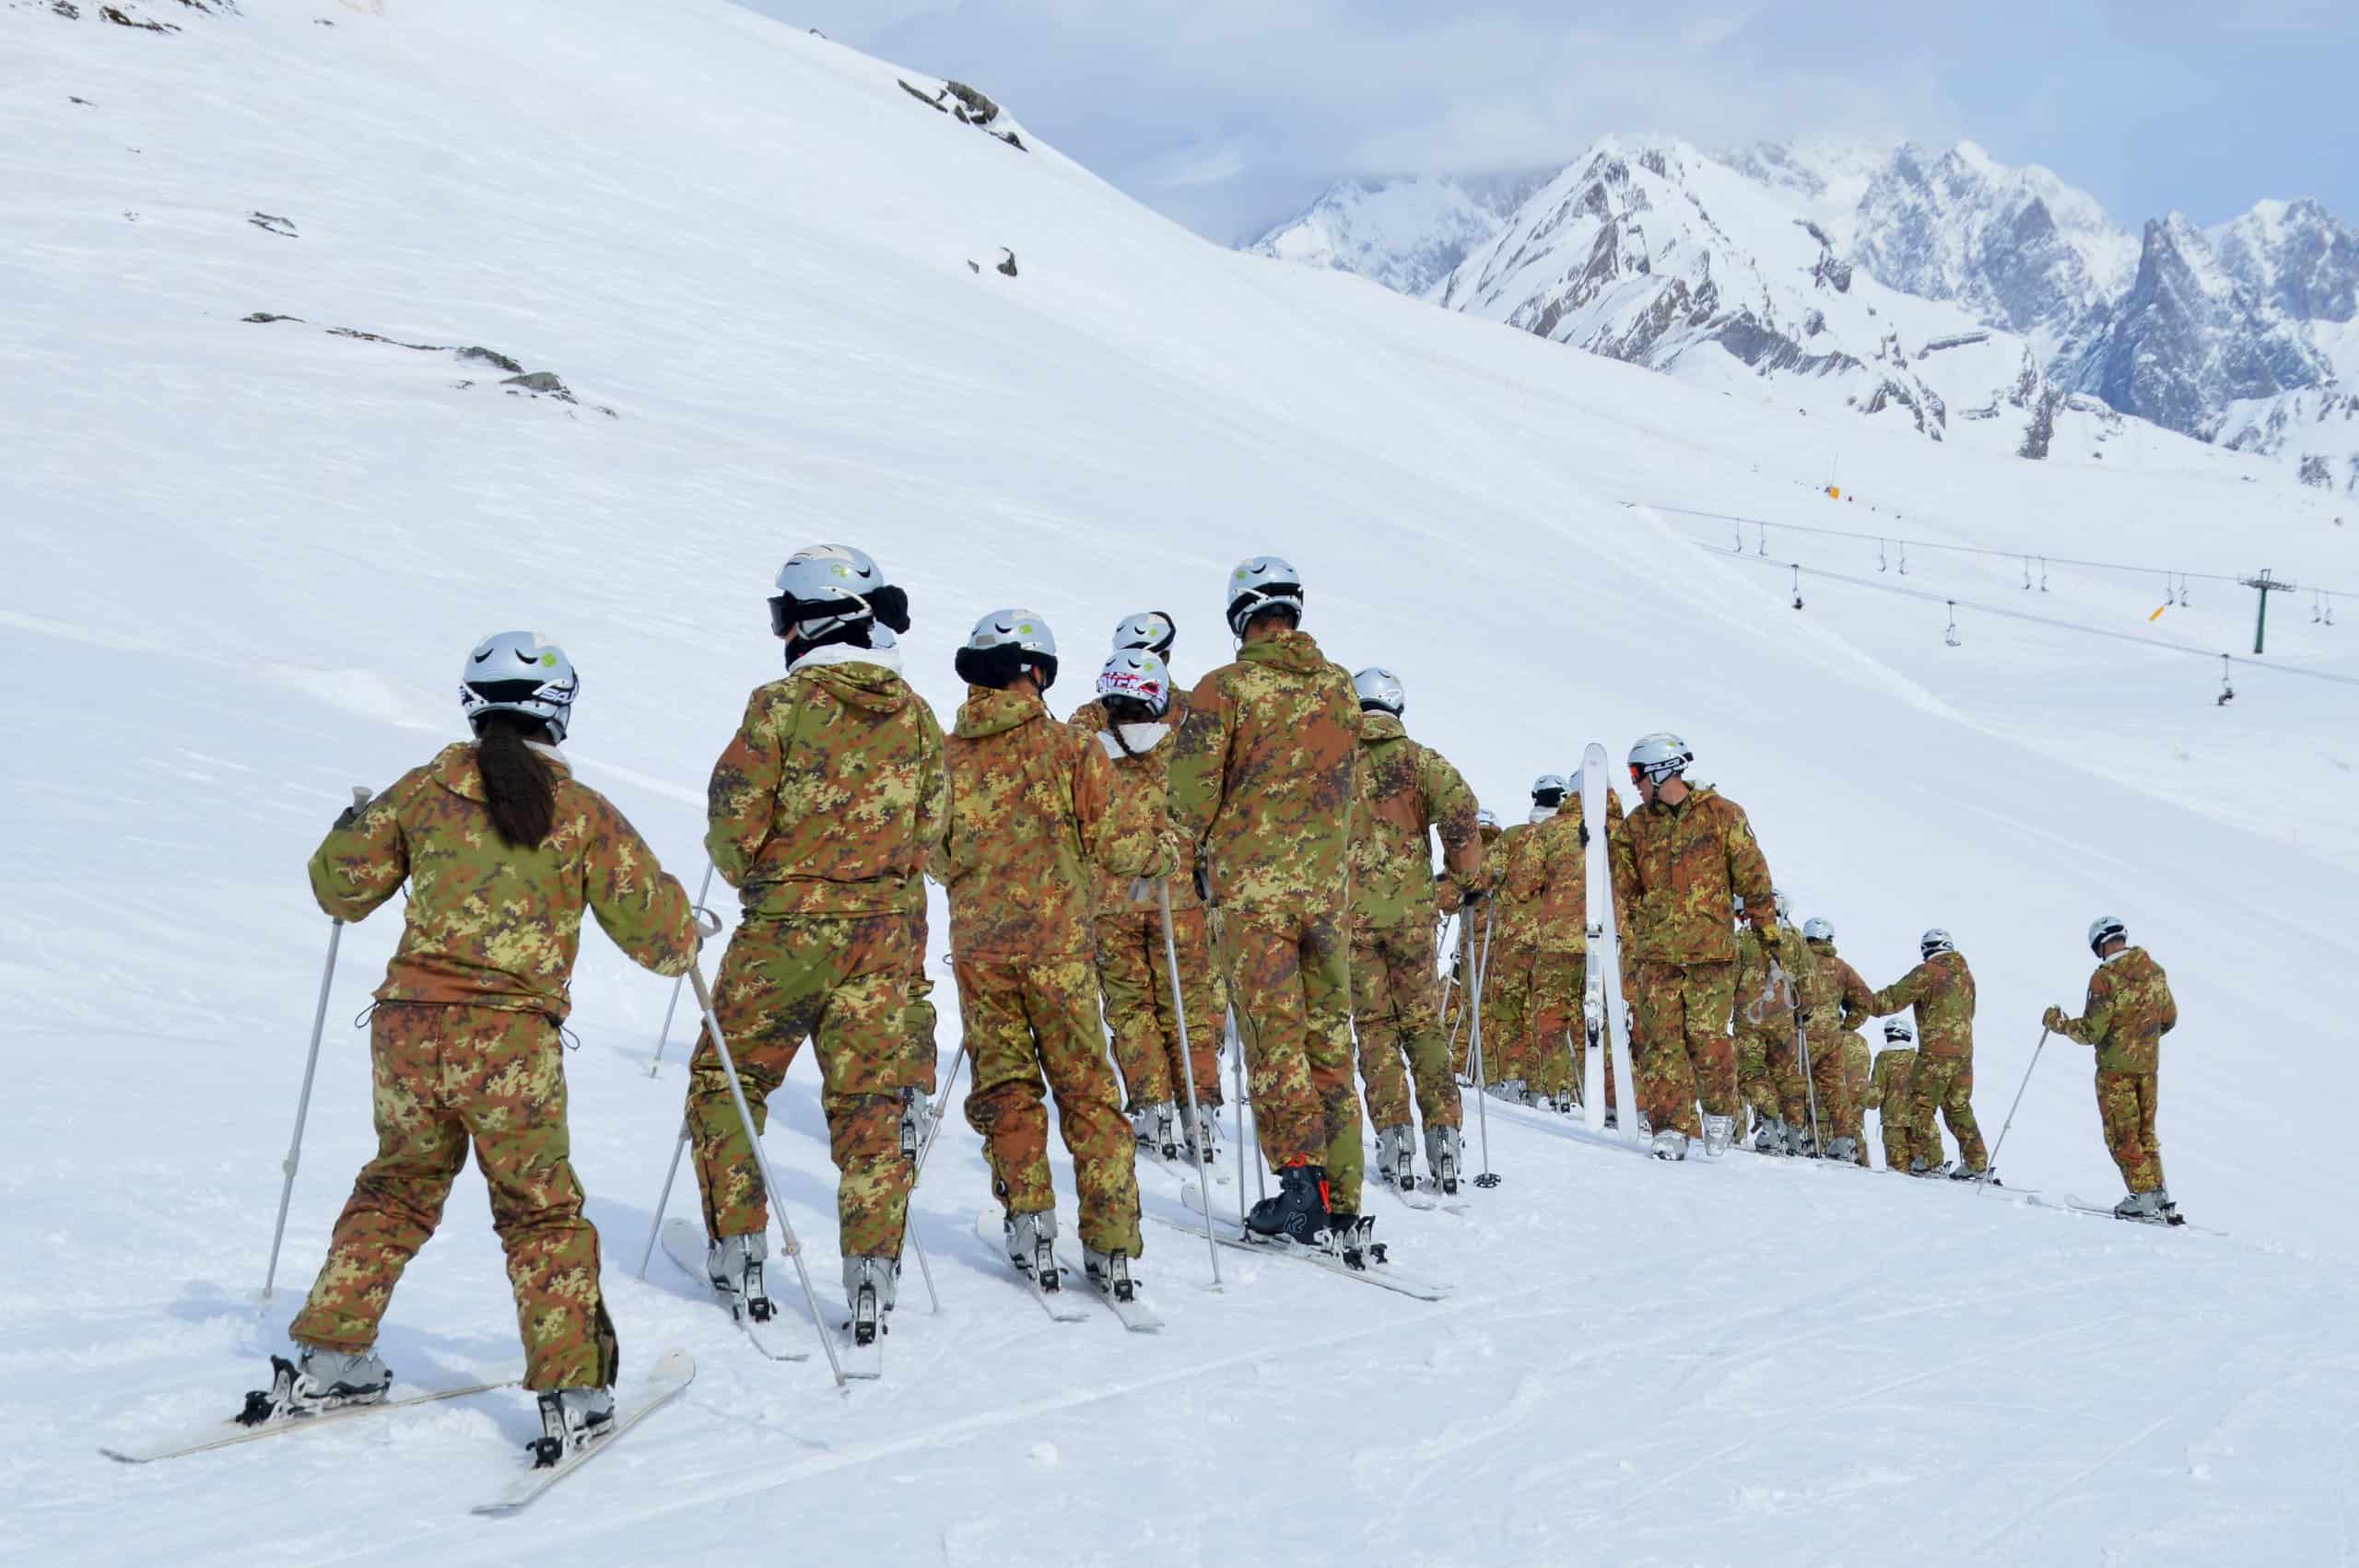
point(2264, 585)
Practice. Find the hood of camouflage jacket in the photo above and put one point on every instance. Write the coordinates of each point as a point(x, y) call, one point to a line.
point(1378, 725)
point(988, 712)
point(455, 767)
point(858, 677)
point(1293, 652)
point(1822, 946)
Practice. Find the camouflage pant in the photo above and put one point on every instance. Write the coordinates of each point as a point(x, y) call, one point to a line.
point(1033, 1028)
point(1838, 1117)
point(443, 1077)
point(2126, 1104)
point(841, 982)
point(1555, 1050)
point(1396, 1008)
point(1945, 1083)
point(1134, 972)
point(1683, 1050)
point(1895, 1117)
point(1857, 1060)
point(918, 1019)
point(1290, 979)
point(1506, 1004)
point(1757, 1082)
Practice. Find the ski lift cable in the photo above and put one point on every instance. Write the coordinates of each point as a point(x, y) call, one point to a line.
point(2057, 623)
point(1880, 539)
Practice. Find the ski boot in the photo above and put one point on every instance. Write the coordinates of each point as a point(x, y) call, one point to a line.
point(1719, 1131)
point(1671, 1144)
point(1396, 1157)
point(2170, 1210)
point(319, 1381)
point(1442, 1158)
point(915, 1114)
point(1352, 1237)
point(1646, 1127)
point(1508, 1088)
point(572, 1419)
point(1143, 1129)
point(1297, 1210)
point(733, 1264)
point(1204, 1136)
point(1525, 1094)
point(869, 1285)
point(1844, 1150)
point(1985, 1176)
point(1031, 1246)
point(1564, 1103)
point(1769, 1138)
point(1166, 1130)
point(2145, 1207)
point(1920, 1167)
point(1110, 1273)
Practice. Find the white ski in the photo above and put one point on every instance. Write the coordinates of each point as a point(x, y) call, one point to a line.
point(2105, 1211)
point(683, 1244)
point(673, 1370)
point(1136, 1315)
point(862, 1363)
point(227, 1433)
point(1602, 1002)
point(1055, 1303)
point(1384, 1276)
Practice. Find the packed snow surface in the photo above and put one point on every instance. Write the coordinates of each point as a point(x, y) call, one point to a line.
point(247, 558)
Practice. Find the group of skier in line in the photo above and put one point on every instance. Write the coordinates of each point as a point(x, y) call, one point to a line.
point(1252, 860)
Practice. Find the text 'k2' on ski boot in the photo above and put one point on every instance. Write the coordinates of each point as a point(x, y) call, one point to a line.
point(1297, 1210)
point(318, 1381)
point(733, 1264)
point(570, 1419)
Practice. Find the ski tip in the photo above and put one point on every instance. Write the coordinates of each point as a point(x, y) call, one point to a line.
point(675, 1365)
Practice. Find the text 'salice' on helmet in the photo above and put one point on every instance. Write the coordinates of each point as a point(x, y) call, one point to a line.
point(826, 588)
point(1004, 642)
point(1380, 688)
point(1659, 756)
point(1135, 675)
point(1150, 629)
point(1262, 582)
point(519, 673)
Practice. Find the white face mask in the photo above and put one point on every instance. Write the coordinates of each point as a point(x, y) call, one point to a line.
point(1541, 813)
point(1135, 740)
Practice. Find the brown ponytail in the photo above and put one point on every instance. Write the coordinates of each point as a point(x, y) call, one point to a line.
point(517, 785)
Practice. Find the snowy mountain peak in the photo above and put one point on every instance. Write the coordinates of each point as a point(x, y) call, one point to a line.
point(1404, 233)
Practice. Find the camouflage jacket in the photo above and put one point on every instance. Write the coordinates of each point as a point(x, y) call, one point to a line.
point(1141, 783)
point(1889, 1078)
point(1267, 774)
point(832, 792)
point(488, 925)
point(1408, 790)
point(1515, 892)
point(2129, 1010)
point(1941, 990)
point(1852, 994)
point(1560, 904)
point(1679, 871)
point(1762, 1009)
point(1033, 821)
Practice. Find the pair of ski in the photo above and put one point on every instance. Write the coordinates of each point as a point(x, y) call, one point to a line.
point(1229, 1234)
point(1055, 1300)
point(672, 1373)
point(2072, 1205)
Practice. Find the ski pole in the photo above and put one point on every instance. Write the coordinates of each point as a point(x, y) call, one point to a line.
point(1187, 1057)
point(680, 1147)
point(303, 1099)
point(939, 1108)
point(664, 1036)
point(761, 1160)
point(1489, 1178)
point(1992, 1166)
point(1801, 1048)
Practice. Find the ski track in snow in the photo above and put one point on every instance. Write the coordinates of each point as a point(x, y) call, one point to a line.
point(247, 558)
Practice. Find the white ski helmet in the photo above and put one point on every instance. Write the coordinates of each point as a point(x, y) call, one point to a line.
point(1004, 642)
point(519, 673)
point(1897, 1031)
point(1380, 688)
point(1135, 674)
point(1486, 817)
point(1549, 790)
point(1150, 629)
point(1659, 756)
point(1263, 582)
point(1818, 928)
point(828, 587)
point(1779, 901)
point(1935, 941)
point(2106, 928)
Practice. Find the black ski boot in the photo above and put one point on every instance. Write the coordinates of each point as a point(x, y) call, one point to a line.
point(1297, 1210)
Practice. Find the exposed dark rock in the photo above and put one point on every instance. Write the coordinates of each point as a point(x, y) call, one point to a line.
point(480, 354)
point(1006, 262)
point(114, 14)
point(539, 384)
point(268, 316)
point(271, 223)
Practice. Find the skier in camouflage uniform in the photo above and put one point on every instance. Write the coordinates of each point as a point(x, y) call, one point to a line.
point(819, 813)
point(1682, 861)
point(1514, 943)
point(1034, 821)
point(1555, 1046)
point(1468, 950)
point(2129, 1010)
point(1408, 793)
point(1818, 979)
point(1265, 777)
point(1940, 989)
point(1834, 1035)
point(1887, 1094)
point(1134, 714)
point(1769, 1080)
point(503, 851)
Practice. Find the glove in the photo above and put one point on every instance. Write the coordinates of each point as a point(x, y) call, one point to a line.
point(1447, 898)
point(1473, 898)
point(1770, 934)
point(2052, 1020)
point(1203, 879)
point(1584, 832)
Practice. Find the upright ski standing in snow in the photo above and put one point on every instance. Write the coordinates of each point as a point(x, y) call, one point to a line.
point(1601, 999)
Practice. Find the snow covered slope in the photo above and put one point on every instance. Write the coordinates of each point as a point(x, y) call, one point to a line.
point(247, 554)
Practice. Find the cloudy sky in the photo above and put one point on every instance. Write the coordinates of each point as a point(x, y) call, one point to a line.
point(1230, 115)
